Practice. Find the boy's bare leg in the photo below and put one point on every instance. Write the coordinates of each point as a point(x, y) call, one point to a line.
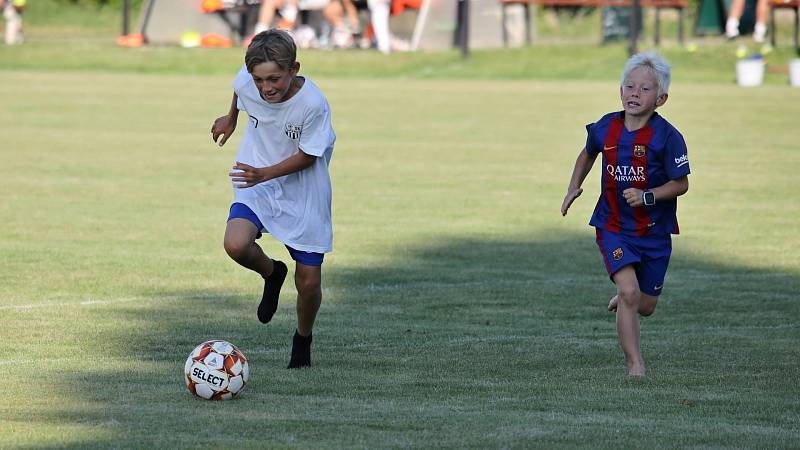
point(308, 280)
point(240, 244)
point(628, 319)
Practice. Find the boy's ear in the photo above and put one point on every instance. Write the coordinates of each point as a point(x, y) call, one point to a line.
point(295, 67)
point(662, 99)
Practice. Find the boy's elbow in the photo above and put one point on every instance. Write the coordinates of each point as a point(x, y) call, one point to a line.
point(307, 160)
point(684, 187)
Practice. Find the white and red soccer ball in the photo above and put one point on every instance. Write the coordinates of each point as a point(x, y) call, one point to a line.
point(216, 370)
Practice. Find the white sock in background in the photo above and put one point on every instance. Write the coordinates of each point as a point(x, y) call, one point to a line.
point(760, 32)
point(732, 28)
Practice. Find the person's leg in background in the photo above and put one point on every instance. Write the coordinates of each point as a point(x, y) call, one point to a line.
point(379, 18)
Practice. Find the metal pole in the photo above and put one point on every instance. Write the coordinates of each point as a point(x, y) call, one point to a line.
point(658, 27)
point(463, 27)
point(632, 48)
point(796, 29)
point(125, 16)
point(147, 13)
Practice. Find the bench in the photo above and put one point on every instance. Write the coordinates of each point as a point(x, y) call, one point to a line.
point(793, 4)
point(658, 5)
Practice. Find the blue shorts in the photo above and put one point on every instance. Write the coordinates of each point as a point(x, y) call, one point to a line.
point(649, 256)
point(242, 211)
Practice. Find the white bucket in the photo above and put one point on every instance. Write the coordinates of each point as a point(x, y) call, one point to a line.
point(794, 72)
point(750, 72)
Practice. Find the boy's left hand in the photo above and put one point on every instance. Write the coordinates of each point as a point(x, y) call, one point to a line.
point(245, 176)
point(634, 197)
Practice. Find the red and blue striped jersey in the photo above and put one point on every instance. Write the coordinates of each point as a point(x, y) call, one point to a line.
point(643, 159)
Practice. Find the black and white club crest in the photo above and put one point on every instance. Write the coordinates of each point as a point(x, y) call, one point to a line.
point(293, 131)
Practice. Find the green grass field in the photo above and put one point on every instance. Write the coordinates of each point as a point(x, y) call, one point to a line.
point(460, 309)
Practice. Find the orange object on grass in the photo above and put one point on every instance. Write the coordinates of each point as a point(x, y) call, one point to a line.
point(210, 6)
point(398, 6)
point(130, 40)
point(214, 40)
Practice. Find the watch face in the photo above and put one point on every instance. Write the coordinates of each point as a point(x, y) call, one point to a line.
point(649, 198)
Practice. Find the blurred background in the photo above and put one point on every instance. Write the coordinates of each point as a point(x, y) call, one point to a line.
point(513, 38)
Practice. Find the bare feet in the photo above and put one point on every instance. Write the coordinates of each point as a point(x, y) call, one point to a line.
point(612, 304)
point(638, 372)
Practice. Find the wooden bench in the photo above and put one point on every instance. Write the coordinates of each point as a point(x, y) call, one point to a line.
point(658, 5)
point(793, 4)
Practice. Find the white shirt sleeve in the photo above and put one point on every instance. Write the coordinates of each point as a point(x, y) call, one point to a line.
point(242, 78)
point(317, 134)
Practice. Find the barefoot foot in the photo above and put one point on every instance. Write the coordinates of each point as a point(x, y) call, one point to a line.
point(612, 304)
point(638, 371)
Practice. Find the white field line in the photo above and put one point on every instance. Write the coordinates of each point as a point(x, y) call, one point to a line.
point(101, 302)
point(47, 304)
point(105, 302)
point(95, 302)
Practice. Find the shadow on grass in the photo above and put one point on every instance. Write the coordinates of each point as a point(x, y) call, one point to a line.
point(462, 342)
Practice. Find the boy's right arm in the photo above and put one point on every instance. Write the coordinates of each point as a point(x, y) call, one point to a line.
point(225, 125)
point(582, 167)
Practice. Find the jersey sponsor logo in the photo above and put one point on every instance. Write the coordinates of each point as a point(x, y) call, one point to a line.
point(609, 147)
point(626, 173)
point(617, 253)
point(254, 120)
point(293, 131)
point(682, 160)
point(639, 150)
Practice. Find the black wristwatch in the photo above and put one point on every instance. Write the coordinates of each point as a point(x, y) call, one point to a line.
point(648, 198)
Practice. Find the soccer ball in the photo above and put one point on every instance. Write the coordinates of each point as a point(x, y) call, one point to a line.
point(216, 370)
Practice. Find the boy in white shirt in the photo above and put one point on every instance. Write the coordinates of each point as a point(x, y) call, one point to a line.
point(280, 178)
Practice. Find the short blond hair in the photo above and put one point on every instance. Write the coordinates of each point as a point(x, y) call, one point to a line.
point(653, 62)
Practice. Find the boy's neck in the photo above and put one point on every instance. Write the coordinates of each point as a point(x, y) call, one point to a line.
point(633, 123)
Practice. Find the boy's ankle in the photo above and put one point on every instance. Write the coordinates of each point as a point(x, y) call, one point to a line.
point(301, 351)
point(272, 291)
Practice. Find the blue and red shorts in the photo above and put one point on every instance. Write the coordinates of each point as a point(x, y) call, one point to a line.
point(649, 256)
point(242, 211)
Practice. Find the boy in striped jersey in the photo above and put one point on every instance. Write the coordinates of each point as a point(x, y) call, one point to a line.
point(645, 170)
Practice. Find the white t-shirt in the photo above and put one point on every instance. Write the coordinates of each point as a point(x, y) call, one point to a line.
point(295, 208)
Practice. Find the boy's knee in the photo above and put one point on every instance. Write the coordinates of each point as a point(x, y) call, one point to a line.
point(630, 296)
point(647, 306)
point(307, 284)
point(236, 248)
point(647, 310)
